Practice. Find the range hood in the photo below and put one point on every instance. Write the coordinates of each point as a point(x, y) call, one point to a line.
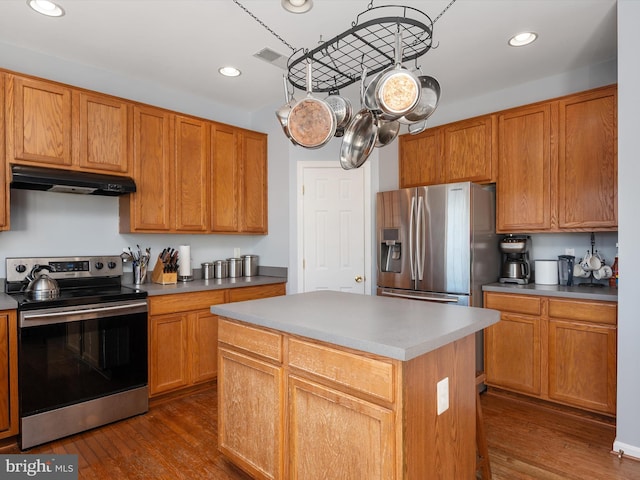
point(67, 181)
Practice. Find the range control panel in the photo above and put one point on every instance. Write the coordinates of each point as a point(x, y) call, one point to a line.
point(65, 267)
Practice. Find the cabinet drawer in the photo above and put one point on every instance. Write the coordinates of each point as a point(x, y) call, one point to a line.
point(253, 340)
point(367, 375)
point(585, 311)
point(183, 302)
point(508, 302)
point(254, 293)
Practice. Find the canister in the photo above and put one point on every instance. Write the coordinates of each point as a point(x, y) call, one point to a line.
point(546, 272)
point(235, 267)
point(250, 265)
point(220, 269)
point(206, 270)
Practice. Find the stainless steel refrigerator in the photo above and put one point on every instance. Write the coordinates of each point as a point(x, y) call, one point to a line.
point(438, 243)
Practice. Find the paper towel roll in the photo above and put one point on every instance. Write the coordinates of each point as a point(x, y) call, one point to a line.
point(547, 272)
point(184, 258)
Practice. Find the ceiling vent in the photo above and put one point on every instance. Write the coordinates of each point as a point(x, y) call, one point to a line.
point(272, 57)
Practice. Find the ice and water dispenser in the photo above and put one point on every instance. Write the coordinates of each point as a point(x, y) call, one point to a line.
point(391, 251)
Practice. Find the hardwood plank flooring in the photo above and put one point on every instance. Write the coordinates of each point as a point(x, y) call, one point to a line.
point(176, 440)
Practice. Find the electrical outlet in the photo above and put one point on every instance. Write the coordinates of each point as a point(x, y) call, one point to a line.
point(570, 251)
point(443, 395)
point(236, 252)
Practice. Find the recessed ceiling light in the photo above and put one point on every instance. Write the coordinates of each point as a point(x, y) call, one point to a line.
point(297, 6)
point(45, 7)
point(229, 71)
point(522, 39)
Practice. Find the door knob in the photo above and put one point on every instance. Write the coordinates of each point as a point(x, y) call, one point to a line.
point(359, 278)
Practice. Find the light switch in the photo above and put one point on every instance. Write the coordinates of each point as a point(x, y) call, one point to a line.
point(443, 395)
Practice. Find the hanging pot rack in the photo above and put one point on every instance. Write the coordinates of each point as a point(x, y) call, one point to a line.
point(369, 43)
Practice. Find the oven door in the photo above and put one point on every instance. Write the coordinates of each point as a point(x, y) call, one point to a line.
point(70, 355)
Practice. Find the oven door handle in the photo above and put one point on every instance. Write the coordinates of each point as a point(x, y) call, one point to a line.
point(36, 318)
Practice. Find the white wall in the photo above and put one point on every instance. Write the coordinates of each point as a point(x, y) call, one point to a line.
point(628, 415)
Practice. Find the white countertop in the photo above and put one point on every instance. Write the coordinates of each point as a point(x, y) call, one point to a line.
point(392, 327)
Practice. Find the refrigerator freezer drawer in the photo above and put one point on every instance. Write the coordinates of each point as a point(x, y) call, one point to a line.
point(425, 296)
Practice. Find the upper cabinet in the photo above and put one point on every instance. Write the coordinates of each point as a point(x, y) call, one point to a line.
point(588, 161)
point(558, 165)
point(53, 125)
point(149, 209)
point(238, 180)
point(456, 152)
point(40, 125)
point(4, 188)
point(103, 133)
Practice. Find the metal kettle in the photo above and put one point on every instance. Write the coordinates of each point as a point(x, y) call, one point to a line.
point(41, 286)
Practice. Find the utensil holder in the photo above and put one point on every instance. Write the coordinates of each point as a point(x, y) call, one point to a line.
point(159, 276)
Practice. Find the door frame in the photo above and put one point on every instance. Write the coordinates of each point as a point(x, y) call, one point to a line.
point(365, 171)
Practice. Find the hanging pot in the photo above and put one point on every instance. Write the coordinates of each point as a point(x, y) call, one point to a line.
point(387, 132)
point(428, 101)
point(396, 91)
point(311, 122)
point(343, 111)
point(41, 286)
point(284, 111)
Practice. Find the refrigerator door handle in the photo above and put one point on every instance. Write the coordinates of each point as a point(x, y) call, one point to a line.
point(420, 239)
point(412, 262)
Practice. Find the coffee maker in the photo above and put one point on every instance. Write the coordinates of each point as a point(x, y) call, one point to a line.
point(515, 259)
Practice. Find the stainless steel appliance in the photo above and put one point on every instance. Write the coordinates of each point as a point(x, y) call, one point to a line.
point(82, 354)
point(438, 243)
point(516, 267)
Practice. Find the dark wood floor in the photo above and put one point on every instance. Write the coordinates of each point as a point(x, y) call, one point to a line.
point(176, 440)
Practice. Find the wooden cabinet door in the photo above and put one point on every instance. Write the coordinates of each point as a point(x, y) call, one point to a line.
point(8, 374)
point(225, 179)
point(322, 419)
point(4, 188)
point(512, 353)
point(582, 365)
point(40, 113)
point(250, 414)
point(524, 187)
point(151, 204)
point(191, 167)
point(168, 351)
point(103, 133)
point(254, 199)
point(203, 343)
point(256, 292)
point(420, 159)
point(588, 161)
point(468, 150)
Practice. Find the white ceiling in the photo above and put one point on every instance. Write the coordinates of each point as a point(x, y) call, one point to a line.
point(180, 44)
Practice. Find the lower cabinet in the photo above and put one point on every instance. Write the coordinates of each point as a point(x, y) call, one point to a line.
point(183, 335)
point(556, 349)
point(290, 408)
point(8, 374)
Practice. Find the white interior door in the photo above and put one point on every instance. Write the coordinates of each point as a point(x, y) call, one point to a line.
point(333, 228)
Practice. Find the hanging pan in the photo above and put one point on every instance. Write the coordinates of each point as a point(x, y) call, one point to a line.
point(360, 136)
point(284, 111)
point(311, 122)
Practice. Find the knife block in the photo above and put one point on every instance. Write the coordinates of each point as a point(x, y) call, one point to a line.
point(159, 276)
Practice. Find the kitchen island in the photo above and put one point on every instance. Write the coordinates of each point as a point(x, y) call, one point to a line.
point(337, 385)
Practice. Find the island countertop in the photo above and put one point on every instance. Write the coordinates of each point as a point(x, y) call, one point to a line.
point(396, 328)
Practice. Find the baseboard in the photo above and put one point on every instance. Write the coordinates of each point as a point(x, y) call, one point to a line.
point(626, 449)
